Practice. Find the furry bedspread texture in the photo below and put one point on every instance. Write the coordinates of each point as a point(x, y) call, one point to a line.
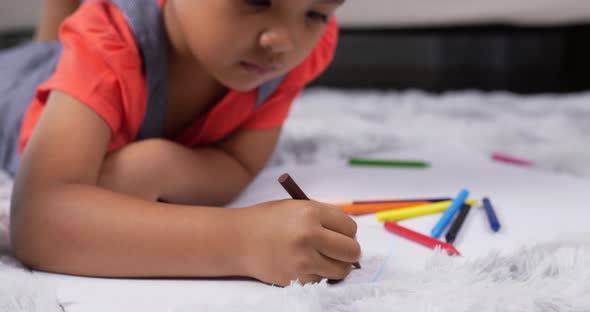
point(546, 277)
point(553, 131)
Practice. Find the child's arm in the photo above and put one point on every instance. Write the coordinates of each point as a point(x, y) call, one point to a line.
point(161, 169)
point(53, 14)
point(62, 222)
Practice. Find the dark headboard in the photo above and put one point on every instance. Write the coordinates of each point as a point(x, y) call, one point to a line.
point(494, 57)
point(14, 37)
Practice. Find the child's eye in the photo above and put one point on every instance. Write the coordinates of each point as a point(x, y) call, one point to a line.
point(317, 16)
point(258, 3)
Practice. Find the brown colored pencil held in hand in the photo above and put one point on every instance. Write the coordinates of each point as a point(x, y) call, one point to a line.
point(297, 193)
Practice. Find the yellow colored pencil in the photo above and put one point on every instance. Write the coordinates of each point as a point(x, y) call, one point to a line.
point(359, 209)
point(417, 211)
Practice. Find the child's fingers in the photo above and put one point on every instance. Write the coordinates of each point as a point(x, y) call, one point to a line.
point(309, 278)
point(331, 268)
point(333, 218)
point(337, 246)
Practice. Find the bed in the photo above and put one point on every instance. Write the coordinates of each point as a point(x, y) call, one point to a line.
point(539, 261)
point(462, 44)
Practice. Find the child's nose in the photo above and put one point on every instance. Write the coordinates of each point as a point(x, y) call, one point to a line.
point(276, 40)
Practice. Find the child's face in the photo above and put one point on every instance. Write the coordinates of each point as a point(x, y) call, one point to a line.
point(243, 43)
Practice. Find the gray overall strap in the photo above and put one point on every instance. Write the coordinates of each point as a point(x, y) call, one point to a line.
point(146, 21)
point(267, 89)
point(22, 70)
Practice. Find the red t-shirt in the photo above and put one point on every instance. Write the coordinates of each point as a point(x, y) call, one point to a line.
point(101, 67)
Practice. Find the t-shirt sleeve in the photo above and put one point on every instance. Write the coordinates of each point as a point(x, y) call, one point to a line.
point(273, 112)
point(93, 46)
point(98, 59)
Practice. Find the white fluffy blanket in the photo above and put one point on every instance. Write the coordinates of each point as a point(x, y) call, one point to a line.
point(547, 277)
point(5, 191)
point(21, 291)
point(552, 131)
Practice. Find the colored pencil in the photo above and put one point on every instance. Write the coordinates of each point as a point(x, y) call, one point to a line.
point(449, 214)
point(420, 238)
point(492, 217)
point(415, 211)
point(411, 212)
point(359, 209)
point(297, 193)
point(388, 163)
point(392, 201)
point(457, 224)
point(511, 160)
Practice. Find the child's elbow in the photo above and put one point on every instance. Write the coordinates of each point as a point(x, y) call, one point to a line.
point(26, 240)
point(21, 245)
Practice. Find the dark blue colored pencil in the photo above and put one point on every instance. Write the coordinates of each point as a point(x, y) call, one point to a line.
point(494, 224)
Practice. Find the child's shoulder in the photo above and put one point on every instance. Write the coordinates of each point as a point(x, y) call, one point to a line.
point(100, 66)
point(99, 26)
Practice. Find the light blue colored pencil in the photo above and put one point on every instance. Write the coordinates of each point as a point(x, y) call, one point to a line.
point(449, 213)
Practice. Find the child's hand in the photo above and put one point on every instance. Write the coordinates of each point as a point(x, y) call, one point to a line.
point(299, 240)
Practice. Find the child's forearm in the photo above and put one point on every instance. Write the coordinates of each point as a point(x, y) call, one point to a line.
point(84, 230)
point(54, 12)
point(158, 169)
point(204, 177)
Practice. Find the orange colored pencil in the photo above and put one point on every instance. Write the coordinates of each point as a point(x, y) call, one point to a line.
point(359, 209)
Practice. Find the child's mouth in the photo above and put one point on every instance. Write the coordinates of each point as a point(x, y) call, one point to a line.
point(257, 69)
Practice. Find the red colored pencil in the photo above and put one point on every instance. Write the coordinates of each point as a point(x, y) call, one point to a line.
point(420, 238)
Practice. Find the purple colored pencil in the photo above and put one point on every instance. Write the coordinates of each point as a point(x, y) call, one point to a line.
point(393, 201)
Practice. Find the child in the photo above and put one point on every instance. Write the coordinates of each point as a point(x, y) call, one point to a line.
point(153, 117)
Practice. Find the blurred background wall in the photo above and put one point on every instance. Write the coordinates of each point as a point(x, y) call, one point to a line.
point(18, 14)
point(525, 46)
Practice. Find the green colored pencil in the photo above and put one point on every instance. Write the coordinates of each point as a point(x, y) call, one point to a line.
point(388, 163)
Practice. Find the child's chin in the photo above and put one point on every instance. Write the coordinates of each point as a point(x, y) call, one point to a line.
point(243, 86)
